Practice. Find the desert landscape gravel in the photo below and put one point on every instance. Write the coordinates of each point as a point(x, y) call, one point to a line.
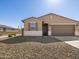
point(33, 50)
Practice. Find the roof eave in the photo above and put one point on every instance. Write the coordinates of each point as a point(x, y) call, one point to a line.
point(29, 18)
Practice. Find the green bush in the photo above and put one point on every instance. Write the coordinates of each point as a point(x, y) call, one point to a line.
point(9, 35)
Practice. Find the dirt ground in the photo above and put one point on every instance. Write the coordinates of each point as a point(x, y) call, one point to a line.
point(37, 50)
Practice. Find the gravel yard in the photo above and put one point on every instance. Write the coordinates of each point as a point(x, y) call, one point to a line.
point(32, 48)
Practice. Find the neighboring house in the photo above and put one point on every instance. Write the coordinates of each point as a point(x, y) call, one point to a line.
point(50, 24)
point(5, 30)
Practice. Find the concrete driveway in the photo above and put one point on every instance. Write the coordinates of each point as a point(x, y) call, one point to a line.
point(71, 40)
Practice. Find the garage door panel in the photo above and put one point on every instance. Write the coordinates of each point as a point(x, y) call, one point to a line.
point(62, 30)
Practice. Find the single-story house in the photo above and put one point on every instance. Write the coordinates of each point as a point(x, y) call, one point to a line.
point(50, 24)
point(5, 28)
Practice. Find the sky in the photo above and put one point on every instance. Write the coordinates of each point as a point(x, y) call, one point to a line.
point(12, 12)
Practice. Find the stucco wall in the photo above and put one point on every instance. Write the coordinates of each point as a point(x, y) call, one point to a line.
point(77, 30)
point(26, 24)
point(53, 19)
point(32, 33)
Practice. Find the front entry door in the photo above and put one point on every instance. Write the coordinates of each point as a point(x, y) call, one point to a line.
point(45, 29)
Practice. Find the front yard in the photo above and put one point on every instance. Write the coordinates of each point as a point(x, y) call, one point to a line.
point(36, 48)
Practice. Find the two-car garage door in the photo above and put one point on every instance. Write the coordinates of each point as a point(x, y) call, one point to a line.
point(63, 30)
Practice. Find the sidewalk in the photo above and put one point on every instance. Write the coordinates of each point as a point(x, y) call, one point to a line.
point(71, 40)
point(73, 43)
point(3, 36)
point(7, 36)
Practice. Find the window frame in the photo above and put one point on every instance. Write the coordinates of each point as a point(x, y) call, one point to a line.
point(30, 28)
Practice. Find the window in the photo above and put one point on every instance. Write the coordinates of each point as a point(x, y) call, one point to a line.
point(32, 26)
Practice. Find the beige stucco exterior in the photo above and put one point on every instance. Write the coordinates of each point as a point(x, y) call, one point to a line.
point(39, 24)
point(38, 32)
point(53, 20)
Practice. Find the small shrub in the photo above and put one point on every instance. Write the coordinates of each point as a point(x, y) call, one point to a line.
point(9, 35)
